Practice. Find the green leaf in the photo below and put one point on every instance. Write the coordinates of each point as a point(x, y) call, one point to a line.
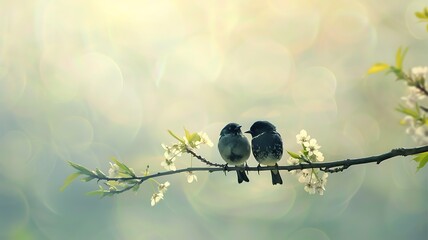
point(110, 193)
point(100, 173)
point(81, 169)
point(102, 192)
point(96, 192)
point(132, 181)
point(175, 136)
point(399, 57)
point(136, 187)
point(294, 155)
point(123, 167)
point(422, 159)
point(69, 180)
point(398, 72)
point(423, 14)
point(192, 137)
point(377, 67)
point(88, 178)
point(420, 15)
point(408, 111)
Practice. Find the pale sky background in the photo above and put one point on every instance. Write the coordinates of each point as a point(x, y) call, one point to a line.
point(88, 80)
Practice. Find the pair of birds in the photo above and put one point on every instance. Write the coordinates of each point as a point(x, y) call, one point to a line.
point(266, 145)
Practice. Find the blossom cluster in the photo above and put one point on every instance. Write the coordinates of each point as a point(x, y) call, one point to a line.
point(313, 179)
point(115, 172)
point(189, 141)
point(171, 153)
point(118, 170)
point(157, 196)
point(415, 119)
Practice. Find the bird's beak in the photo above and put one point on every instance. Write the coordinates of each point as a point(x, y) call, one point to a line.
point(249, 131)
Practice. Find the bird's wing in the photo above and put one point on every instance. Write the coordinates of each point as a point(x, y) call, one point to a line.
point(240, 149)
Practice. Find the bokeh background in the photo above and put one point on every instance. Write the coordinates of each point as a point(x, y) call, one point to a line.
point(88, 80)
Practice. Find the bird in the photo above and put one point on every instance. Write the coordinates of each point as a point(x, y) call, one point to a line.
point(267, 147)
point(234, 148)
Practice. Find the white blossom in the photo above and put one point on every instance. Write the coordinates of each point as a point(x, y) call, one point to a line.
point(170, 155)
point(163, 187)
point(113, 171)
point(323, 179)
point(311, 146)
point(302, 137)
point(320, 190)
point(293, 161)
point(319, 156)
point(414, 96)
point(315, 184)
point(168, 165)
point(418, 73)
point(320, 185)
point(205, 139)
point(306, 176)
point(191, 177)
point(156, 197)
point(310, 188)
point(420, 134)
point(411, 123)
point(172, 152)
point(408, 120)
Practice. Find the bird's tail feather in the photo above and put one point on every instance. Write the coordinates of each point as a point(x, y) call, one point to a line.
point(276, 177)
point(242, 177)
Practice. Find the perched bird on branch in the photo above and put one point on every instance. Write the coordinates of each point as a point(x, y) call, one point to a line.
point(234, 148)
point(267, 146)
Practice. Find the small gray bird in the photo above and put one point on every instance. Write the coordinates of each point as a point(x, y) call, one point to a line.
point(267, 146)
point(234, 148)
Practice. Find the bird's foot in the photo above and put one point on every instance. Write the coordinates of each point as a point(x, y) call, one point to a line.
point(258, 169)
point(225, 168)
point(247, 168)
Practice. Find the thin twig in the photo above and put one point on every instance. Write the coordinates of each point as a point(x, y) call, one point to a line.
point(422, 89)
point(424, 109)
point(202, 159)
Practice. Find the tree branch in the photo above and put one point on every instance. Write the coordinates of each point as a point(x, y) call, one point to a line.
point(331, 167)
